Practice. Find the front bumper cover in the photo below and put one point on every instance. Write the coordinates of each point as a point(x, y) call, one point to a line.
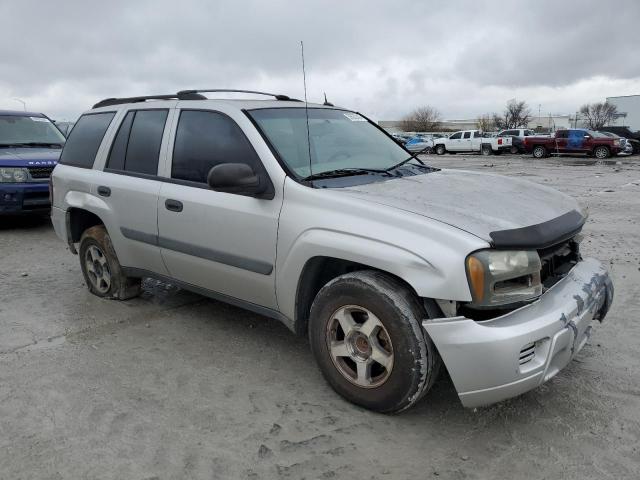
point(506, 356)
point(18, 198)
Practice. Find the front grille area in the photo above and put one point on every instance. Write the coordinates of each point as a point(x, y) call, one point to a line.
point(557, 260)
point(40, 172)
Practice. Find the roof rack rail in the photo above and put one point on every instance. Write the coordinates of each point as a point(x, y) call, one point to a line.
point(225, 90)
point(176, 96)
point(185, 95)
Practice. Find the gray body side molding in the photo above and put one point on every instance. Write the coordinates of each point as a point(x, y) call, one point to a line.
point(257, 266)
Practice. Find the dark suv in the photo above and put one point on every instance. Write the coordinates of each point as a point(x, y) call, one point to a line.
point(632, 137)
point(30, 145)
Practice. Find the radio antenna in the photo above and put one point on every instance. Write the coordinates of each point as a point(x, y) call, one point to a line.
point(306, 105)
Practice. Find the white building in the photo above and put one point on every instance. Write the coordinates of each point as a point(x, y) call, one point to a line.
point(628, 109)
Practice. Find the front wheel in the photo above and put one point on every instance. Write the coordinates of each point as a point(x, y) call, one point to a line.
point(440, 150)
point(514, 150)
point(601, 153)
point(366, 336)
point(101, 268)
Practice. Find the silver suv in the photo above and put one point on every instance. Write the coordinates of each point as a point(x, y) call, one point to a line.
point(314, 216)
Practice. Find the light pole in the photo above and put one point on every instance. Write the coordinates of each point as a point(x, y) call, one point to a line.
point(539, 117)
point(24, 104)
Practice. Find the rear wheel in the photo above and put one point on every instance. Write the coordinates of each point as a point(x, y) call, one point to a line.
point(601, 153)
point(366, 335)
point(539, 151)
point(486, 150)
point(514, 150)
point(440, 150)
point(101, 268)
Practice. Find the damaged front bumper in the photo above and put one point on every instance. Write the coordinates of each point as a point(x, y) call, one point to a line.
point(506, 356)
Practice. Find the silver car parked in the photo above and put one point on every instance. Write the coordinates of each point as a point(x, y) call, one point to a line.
point(316, 217)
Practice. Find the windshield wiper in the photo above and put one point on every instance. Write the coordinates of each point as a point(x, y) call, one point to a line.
point(344, 172)
point(415, 155)
point(33, 144)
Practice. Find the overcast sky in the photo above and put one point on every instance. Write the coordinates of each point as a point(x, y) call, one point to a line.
point(383, 58)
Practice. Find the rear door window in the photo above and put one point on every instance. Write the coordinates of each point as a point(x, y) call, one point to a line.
point(136, 147)
point(467, 134)
point(84, 140)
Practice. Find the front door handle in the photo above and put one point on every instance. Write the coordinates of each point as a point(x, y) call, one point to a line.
point(173, 205)
point(104, 191)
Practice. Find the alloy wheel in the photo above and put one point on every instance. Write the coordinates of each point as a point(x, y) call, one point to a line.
point(360, 346)
point(97, 269)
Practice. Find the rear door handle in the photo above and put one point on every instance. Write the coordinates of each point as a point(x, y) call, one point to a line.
point(173, 205)
point(104, 191)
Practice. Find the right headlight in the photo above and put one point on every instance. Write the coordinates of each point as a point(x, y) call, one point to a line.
point(13, 175)
point(502, 277)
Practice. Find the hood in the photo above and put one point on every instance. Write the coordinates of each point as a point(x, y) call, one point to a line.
point(29, 157)
point(479, 203)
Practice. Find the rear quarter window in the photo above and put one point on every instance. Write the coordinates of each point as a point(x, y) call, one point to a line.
point(85, 139)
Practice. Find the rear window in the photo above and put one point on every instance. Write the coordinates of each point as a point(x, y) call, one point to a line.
point(85, 138)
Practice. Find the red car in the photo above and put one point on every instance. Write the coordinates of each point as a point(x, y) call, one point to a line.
point(573, 141)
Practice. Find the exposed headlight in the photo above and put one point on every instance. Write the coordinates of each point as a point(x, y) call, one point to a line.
point(616, 142)
point(13, 175)
point(502, 277)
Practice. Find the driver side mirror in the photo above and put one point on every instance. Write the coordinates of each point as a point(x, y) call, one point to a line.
point(238, 178)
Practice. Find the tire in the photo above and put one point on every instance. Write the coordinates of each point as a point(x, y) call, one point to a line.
point(601, 153)
point(514, 150)
point(486, 150)
point(101, 268)
point(440, 150)
point(381, 358)
point(539, 151)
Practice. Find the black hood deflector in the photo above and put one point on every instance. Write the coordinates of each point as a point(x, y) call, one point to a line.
point(541, 235)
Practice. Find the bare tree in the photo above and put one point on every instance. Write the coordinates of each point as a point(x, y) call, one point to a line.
point(486, 123)
point(597, 115)
point(423, 119)
point(516, 114)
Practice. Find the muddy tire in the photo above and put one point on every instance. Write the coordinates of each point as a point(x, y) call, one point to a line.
point(539, 152)
point(366, 336)
point(101, 268)
point(440, 150)
point(601, 153)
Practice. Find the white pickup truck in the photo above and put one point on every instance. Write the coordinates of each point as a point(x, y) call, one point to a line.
point(472, 141)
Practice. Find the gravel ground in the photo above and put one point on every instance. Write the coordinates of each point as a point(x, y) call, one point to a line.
point(172, 385)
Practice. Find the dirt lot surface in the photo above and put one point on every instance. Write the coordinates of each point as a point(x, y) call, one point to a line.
point(172, 385)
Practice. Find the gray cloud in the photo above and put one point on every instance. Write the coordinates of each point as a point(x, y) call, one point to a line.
point(383, 58)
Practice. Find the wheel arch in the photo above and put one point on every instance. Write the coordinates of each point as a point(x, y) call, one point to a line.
point(78, 220)
point(316, 273)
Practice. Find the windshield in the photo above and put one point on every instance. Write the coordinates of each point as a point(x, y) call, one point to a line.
point(338, 139)
point(16, 130)
point(596, 134)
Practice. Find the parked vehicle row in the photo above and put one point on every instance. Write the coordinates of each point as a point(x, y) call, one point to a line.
point(524, 140)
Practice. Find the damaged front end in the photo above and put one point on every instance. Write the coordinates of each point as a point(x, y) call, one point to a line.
point(495, 359)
